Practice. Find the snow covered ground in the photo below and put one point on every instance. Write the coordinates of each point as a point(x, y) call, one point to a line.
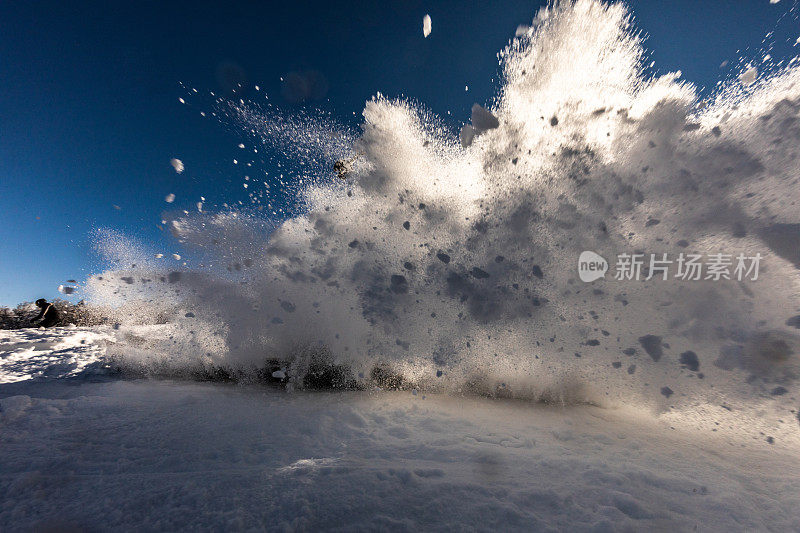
point(80, 450)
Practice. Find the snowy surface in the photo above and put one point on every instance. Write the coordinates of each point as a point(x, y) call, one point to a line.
point(30, 354)
point(84, 450)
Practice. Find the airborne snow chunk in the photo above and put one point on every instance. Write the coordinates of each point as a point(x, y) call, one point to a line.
point(177, 164)
point(426, 25)
point(748, 77)
point(467, 135)
point(169, 198)
point(483, 119)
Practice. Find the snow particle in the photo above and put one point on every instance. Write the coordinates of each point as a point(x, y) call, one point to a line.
point(689, 360)
point(426, 25)
point(483, 119)
point(467, 135)
point(652, 345)
point(169, 198)
point(177, 164)
point(749, 76)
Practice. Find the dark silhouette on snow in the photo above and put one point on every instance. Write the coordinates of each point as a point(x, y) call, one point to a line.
point(48, 315)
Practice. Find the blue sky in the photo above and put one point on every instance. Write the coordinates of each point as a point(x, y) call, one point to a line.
point(89, 112)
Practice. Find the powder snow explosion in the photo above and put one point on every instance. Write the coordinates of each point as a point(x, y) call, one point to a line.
point(456, 268)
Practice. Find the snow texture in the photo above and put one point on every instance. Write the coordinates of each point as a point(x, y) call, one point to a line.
point(82, 450)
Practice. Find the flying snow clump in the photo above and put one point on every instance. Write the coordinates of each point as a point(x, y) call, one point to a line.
point(66, 289)
point(177, 164)
point(748, 77)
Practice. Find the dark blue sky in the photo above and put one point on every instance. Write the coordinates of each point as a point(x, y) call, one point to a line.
point(89, 112)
